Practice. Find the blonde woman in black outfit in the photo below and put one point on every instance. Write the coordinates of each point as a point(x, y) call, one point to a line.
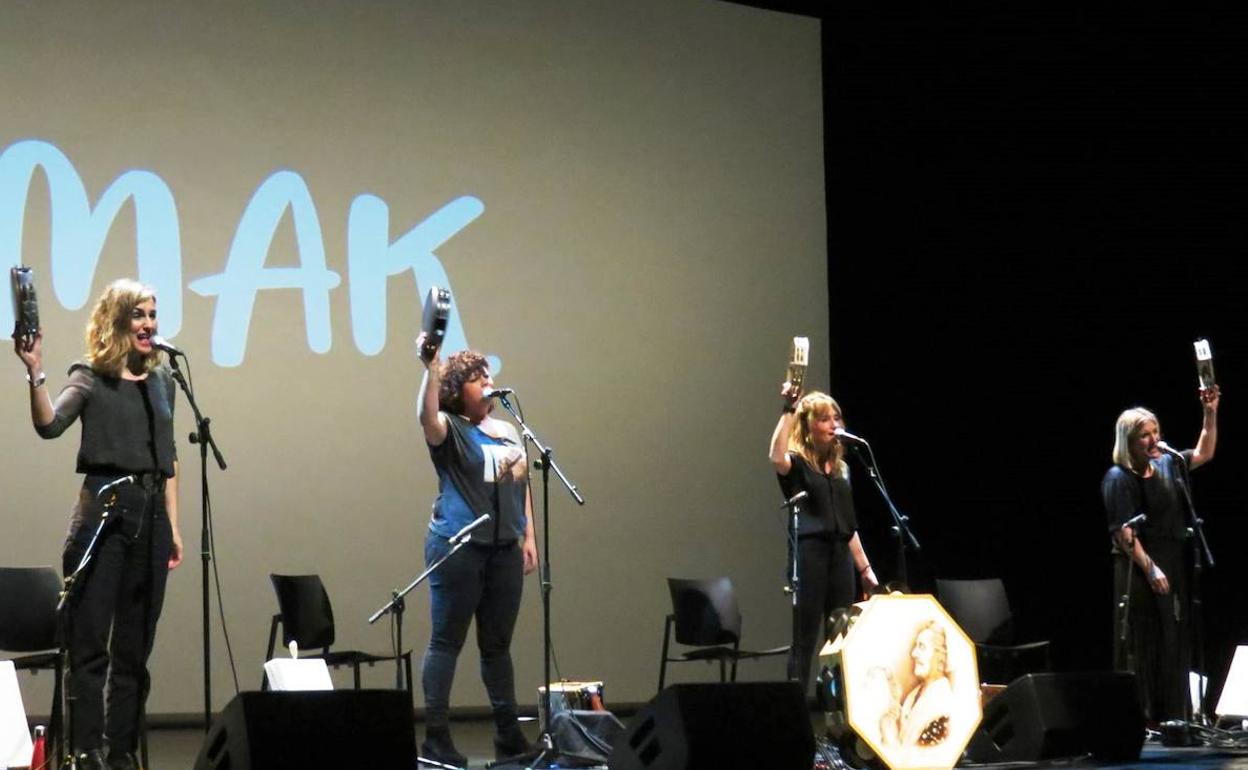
point(124, 399)
point(808, 457)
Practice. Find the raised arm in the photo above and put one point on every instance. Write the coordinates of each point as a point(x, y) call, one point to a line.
point(1208, 440)
point(30, 351)
point(432, 421)
point(779, 450)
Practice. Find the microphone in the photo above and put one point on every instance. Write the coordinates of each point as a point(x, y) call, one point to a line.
point(466, 532)
point(1163, 446)
point(161, 344)
point(1135, 521)
point(845, 435)
point(795, 499)
point(496, 392)
point(117, 483)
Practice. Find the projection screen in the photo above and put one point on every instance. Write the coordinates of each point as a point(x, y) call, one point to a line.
point(626, 200)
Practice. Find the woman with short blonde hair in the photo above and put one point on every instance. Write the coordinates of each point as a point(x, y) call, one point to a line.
point(1152, 556)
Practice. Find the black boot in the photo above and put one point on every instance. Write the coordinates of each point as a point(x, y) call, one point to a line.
point(439, 747)
point(122, 760)
point(91, 760)
point(510, 742)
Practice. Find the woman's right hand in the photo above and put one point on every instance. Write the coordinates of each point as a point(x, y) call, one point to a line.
point(427, 359)
point(790, 392)
point(30, 350)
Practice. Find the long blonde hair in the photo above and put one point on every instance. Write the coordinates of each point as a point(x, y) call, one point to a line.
point(108, 330)
point(1127, 430)
point(816, 406)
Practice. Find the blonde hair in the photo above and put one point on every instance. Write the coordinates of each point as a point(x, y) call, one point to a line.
point(1127, 430)
point(108, 330)
point(816, 406)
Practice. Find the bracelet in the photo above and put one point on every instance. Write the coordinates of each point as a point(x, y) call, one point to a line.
point(37, 381)
point(789, 408)
point(864, 570)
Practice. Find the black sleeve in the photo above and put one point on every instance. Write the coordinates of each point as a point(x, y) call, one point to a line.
point(1121, 493)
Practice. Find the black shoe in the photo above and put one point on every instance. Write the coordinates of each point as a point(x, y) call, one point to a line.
point(91, 760)
point(510, 742)
point(439, 747)
point(122, 760)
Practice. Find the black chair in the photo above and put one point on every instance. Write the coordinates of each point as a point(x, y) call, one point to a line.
point(982, 609)
point(706, 617)
point(28, 598)
point(307, 618)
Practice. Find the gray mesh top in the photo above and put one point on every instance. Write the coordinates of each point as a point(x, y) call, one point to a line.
point(127, 425)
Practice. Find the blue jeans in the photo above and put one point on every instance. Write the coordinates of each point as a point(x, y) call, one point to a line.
point(481, 581)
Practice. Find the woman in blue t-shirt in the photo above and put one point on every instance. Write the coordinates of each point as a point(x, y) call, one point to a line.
point(481, 467)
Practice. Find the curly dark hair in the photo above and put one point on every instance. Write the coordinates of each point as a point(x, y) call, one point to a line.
point(464, 366)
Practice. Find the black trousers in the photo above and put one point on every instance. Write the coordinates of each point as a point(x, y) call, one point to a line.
point(112, 616)
point(1158, 647)
point(825, 571)
point(482, 582)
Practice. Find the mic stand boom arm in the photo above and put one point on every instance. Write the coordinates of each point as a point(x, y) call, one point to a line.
point(901, 522)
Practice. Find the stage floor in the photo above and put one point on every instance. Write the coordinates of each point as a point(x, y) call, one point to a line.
point(177, 748)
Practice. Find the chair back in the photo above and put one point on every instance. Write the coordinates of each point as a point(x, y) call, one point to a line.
point(706, 611)
point(28, 598)
point(980, 607)
point(307, 617)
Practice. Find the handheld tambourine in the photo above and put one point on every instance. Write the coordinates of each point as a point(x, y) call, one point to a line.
point(437, 311)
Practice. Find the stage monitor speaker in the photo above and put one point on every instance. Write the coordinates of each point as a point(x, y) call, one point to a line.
point(1049, 716)
point(715, 726)
point(281, 730)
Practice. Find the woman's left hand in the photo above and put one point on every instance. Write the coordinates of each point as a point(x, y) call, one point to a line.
point(529, 549)
point(1209, 398)
point(175, 553)
point(869, 582)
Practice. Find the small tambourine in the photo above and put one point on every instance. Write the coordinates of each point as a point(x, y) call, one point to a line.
point(25, 305)
point(1204, 364)
point(437, 311)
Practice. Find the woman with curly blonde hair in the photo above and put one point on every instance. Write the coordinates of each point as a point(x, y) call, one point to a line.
point(809, 457)
point(124, 399)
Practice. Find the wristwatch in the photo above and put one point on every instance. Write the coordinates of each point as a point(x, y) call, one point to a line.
point(37, 381)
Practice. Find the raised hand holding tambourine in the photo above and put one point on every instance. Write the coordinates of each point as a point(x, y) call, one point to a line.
point(433, 325)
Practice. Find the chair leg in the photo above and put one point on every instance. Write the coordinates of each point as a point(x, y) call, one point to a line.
point(356, 671)
point(723, 671)
point(667, 637)
point(57, 718)
point(411, 695)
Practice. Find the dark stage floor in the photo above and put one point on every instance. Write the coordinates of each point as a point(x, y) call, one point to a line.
point(176, 749)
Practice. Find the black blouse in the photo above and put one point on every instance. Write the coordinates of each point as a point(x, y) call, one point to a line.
point(829, 508)
point(127, 425)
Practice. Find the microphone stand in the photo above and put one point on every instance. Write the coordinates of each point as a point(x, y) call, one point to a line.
point(794, 588)
point(1124, 604)
point(68, 587)
point(901, 523)
point(1201, 556)
point(397, 606)
point(546, 463)
point(203, 437)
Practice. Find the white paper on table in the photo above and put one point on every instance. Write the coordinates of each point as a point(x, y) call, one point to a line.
point(15, 743)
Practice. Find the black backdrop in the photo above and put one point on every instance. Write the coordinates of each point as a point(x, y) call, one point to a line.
point(1031, 217)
